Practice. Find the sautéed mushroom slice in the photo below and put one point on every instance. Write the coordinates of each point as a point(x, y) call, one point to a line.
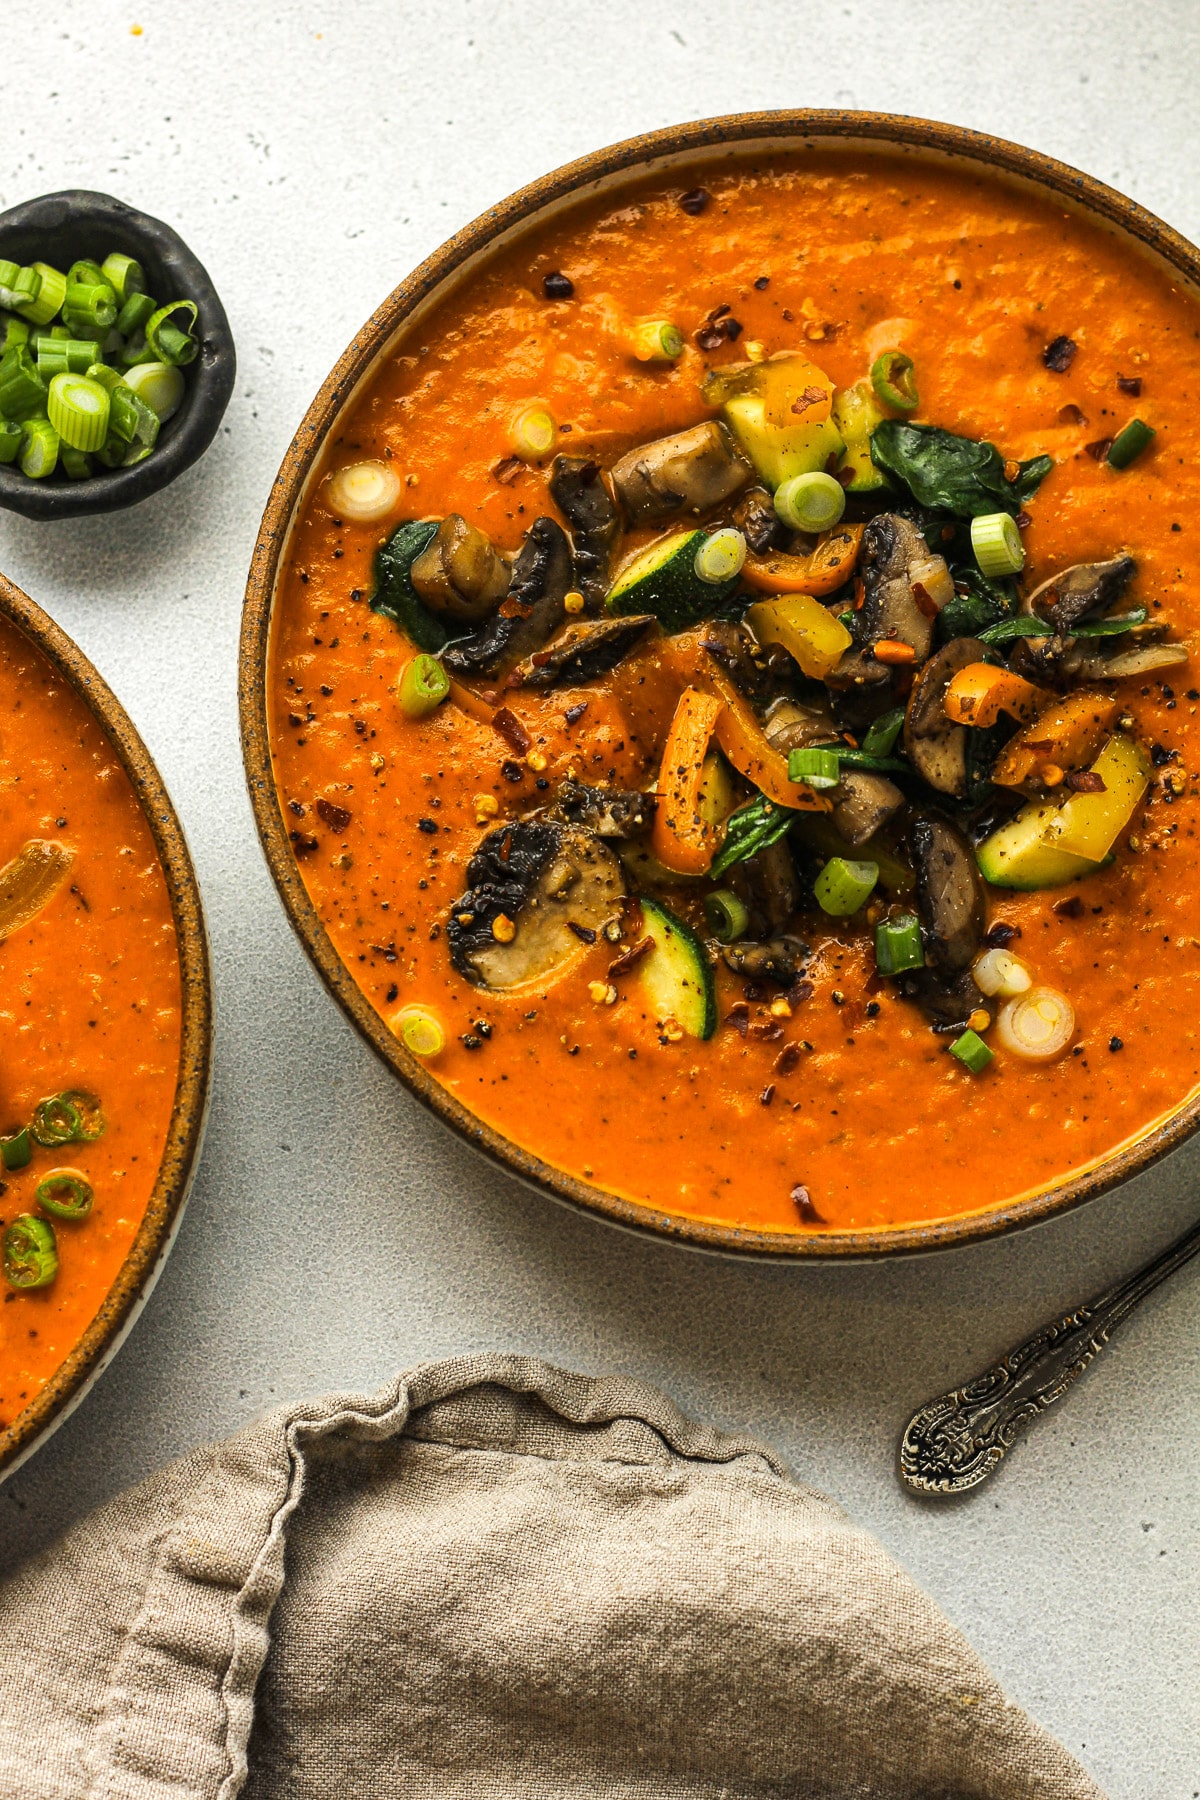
point(30, 881)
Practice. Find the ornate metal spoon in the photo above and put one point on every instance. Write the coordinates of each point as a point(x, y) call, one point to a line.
point(956, 1441)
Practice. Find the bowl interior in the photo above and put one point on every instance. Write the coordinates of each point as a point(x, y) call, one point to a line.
point(745, 138)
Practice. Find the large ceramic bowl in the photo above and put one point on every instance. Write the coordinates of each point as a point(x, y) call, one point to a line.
point(148, 1251)
point(448, 269)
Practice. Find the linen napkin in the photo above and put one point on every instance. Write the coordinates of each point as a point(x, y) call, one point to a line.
point(498, 1580)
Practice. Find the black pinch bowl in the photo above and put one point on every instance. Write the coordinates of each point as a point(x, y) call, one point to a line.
point(60, 229)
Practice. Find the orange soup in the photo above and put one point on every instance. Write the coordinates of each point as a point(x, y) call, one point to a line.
point(788, 822)
point(89, 1019)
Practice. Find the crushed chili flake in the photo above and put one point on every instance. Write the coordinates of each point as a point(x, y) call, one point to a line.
point(787, 1059)
point(512, 608)
point(1116, 1043)
point(336, 817)
point(767, 1095)
point(769, 1030)
point(1069, 909)
point(507, 470)
point(1130, 384)
point(1023, 521)
point(762, 282)
point(809, 397)
point(629, 959)
point(1100, 449)
point(429, 825)
point(1060, 354)
point(738, 1016)
point(710, 337)
point(510, 728)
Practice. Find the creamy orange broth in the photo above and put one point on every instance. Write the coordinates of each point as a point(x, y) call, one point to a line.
point(89, 998)
point(880, 1124)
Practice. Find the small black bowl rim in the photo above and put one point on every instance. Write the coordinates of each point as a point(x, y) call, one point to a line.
point(209, 378)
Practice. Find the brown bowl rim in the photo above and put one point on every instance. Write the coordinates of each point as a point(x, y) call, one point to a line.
point(153, 1241)
point(637, 155)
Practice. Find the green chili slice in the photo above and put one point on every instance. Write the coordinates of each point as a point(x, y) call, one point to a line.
point(893, 377)
point(92, 1122)
point(67, 1193)
point(16, 1150)
point(423, 686)
point(55, 1121)
point(30, 1252)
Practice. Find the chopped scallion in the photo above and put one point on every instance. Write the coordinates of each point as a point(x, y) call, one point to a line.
point(50, 293)
point(898, 946)
point(30, 1252)
point(423, 686)
point(657, 340)
point(65, 356)
point(134, 314)
point(124, 275)
point(14, 332)
point(161, 386)
point(1129, 443)
point(728, 917)
point(10, 440)
point(66, 1193)
point(132, 420)
point(16, 1151)
point(419, 1030)
point(997, 544)
point(720, 557)
point(79, 411)
point(39, 450)
point(90, 308)
point(813, 502)
point(171, 342)
point(843, 886)
point(893, 376)
point(76, 464)
point(533, 434)
point(817, 768)
point(87, 271)
point(971, 1051)
point(22, 388)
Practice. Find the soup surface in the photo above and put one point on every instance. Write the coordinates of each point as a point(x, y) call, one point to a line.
point(90, 1007)
point(830, 1100)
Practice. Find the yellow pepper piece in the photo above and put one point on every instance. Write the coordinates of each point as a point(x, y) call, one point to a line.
point(1089, 824)
point(811, 634)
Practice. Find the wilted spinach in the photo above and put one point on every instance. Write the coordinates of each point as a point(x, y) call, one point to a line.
point(986, 602)
point(753, 827)
point(947, 473)
point(395, 596)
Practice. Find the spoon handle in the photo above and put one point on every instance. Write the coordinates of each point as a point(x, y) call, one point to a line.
point(953, 1443)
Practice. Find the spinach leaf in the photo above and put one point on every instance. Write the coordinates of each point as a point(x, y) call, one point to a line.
point(1113, 626)
point(958, 475)
point(395, 596)
point(986, 604)
point(753, 827)
point(1026, 626)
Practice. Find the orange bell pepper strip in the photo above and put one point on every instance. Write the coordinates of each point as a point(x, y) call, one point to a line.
point(682, 838)
point(821, 572)
point(979, 693)
point(745, 743)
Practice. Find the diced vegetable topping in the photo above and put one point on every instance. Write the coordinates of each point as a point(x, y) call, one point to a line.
point(843, 886)
point(997, 544)
point(813, 502)
point(1036, 1026)
point(971, 1052)
point(424, 684)
point(898, 946)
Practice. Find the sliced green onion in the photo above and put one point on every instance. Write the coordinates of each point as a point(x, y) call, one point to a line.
point(1026, 625)
point(881, 737)
point(657, 340)
point(136, 453)
point(533, 434)
point(112, 453)
point(999, 973)
point(859, 759)
point(136, 351)
point(170, 342)
point(50, 295)
point(971, 1051)
point(893, 376)
point(720, 557)
point(79, 411)
point(14, 332)
point(22, 286)
point(88, 272)
point(363, 491)
point(1129, 444)
point(89, 306)
point(898, 945)
point(92, 1122)
point(67, 1193)
point(728, 918)
point(423, 686)
point(9, 273)
point(419, 1031)
point(76, 464)
point(55, 1121)
point(132, 420)
point(136, 311)
point(843, 886)
point(15, 1151)
point(30, 1252)
point(39, 450)
point(997, 544)
point(123, 275)
point(11, 435)
point(65, 356)
point(1037, 1025)
point(818, 768)
point(161, 386)
point(22, 388)
point(1113, 626)
point(813, 502)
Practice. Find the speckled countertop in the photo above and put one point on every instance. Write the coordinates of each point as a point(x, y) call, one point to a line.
point(336, 1232)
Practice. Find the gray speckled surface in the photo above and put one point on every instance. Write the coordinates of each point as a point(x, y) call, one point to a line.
point(336, 1232)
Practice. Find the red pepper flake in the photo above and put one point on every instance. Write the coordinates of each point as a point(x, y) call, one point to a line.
point(719, 312)
point(769, 1030)
point(1023, 521)
point(1130, 384)
point(1100, 449)
point(630, 958)
point(506, 847)
point(1085, 781)
point(336, 817)
point(810, 397)
point(799, 992)
point(584, 933)
point(733, 330)
point(635, 919)
point(787, 1059)
point(1069, 909)
point(925, 605)
point(739, 1017)
point(507, 470)
point(1070, 414)
point(574, 713)
point(695, 201)
point(767, 1095)
point(802, 1200)
point(510, 728)
point(1060, 354)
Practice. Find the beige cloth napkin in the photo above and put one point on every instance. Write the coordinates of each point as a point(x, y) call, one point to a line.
point(493, 1580)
